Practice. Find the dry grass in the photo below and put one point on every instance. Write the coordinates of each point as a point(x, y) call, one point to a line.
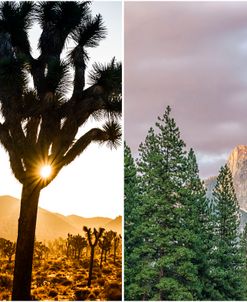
point(63, 279)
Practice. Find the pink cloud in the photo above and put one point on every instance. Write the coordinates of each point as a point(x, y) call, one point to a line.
point(193, 56)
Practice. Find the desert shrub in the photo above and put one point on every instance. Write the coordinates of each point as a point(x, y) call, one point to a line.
point(85, 263)
point(60, 280)
point(118, 263)
point(66, 282)
point(56, 266)
point(60, 275)
point(107, 271)
point(96, 291)
point(113, 292)
point(79, 277)
point(101, 281)
point(82, 284)
point(52, 293)
point(39, 290)
point(10, 266)
point(5, 296)
point(5, 281)
point(91, 297)
point(82, 294)
point(94, 277)
point(40, 278)
point(45, 266)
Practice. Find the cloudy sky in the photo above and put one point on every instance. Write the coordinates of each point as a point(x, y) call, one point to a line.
point(192, 56)
point(93, 184)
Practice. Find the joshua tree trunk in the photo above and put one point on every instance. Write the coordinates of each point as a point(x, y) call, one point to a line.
point(91, 267)
point(25, 243)
point(101, 257)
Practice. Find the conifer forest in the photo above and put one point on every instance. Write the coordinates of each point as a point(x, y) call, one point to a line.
point(180, 244)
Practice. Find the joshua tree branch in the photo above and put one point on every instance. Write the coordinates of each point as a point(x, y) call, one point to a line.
point(94, 134)
point(94, 99)
point(80, 67)
point(15, 159)
point(32, 130)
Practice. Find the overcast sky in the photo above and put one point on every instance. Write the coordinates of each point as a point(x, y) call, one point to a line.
point(93, 184)
point(192, 56)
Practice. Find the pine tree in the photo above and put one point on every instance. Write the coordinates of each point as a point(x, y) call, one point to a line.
point(131, 206)
point(166, 270)
point(200, 224)
point(228, 263)
point(244, 255)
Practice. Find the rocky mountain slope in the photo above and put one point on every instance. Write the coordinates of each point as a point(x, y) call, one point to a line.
point(237, 163)
point(50, 225)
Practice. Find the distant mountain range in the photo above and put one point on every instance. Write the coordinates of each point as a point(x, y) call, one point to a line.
point(50, 225)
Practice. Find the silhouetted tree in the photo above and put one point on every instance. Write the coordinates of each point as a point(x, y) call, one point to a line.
point(105, 244)
point(69, 245)
point(40, 250)
point(39, 124)
point(92, 243)
point(75, 245)
point(102, 245)
point(57, 247)
point(116, 241)
point(7, 248)
point(2, 244)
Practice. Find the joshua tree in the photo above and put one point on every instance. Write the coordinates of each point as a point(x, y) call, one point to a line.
point(7, 248)
point(39, 125)
point(40, 250)
point(117, 239)
point(75, 245)
point(79, 243)
point(105, 244)
point(69, 245)
point(92, 244)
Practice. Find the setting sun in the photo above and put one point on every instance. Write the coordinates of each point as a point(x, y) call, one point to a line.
point(45, 171)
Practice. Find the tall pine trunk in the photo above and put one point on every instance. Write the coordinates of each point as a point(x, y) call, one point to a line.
point(25, 243)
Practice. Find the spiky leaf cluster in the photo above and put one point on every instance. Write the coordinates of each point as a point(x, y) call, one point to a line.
point(40, 123)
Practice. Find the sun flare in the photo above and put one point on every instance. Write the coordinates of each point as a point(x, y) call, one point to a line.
point(45, 171)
